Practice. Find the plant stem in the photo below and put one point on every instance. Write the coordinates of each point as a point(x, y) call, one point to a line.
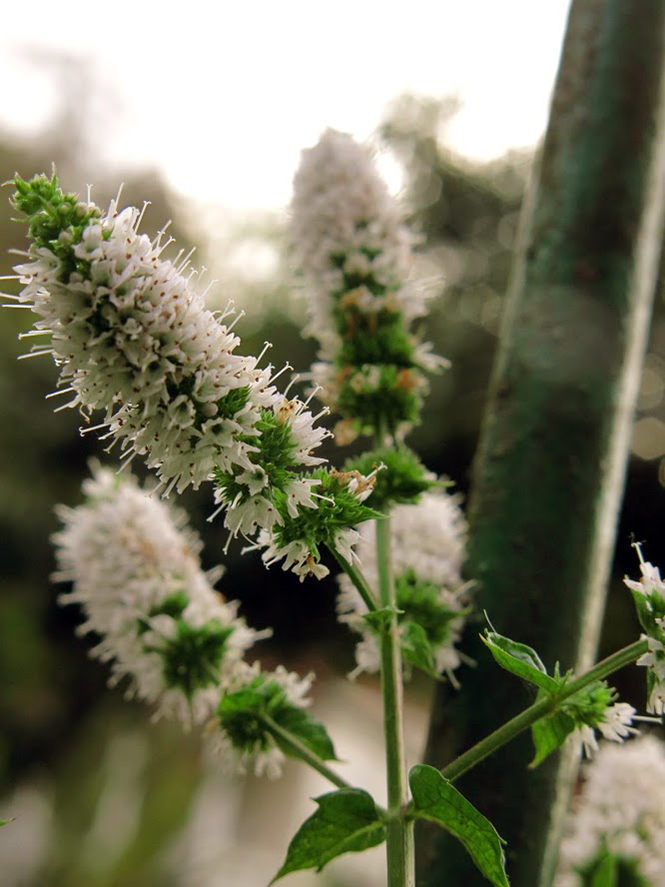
point(357, 578)
point(529, 716)
point(399, 834)
point(303, 753)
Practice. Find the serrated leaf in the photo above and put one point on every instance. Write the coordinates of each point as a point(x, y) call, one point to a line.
point(436, 799)
point(519, 659)
point(549, 733)
point(346, 821)
point(417, 649)
point(606, 873)
point(311, 733)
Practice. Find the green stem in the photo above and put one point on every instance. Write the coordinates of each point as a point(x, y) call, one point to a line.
point(399, 832)
point(303, 753)
point(357, 578)
point(529, 716)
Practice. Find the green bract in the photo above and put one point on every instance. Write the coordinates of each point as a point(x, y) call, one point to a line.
point(338, 509)
point(400, 481)
point(191, 659)
point(247, 717)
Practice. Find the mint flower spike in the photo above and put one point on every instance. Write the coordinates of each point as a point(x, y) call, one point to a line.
point(136, 574)
point(299, 540)
point(618, 819)
point(132, 337)
point(287, 438)
point(427, 544)
point(356, 256)
point(649, 597)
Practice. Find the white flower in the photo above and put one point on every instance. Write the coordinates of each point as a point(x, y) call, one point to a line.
point(650, 602)
point(621, 808)
point(615, 725)
point(296, 554)
point(427, 551)
point(135, 571)
point(133, 337)
point(304, 435)
point(617, 722)
point(650, 580)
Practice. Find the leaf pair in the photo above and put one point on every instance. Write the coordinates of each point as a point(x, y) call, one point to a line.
point(349, 821)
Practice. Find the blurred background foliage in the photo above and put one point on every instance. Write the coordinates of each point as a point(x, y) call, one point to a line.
point(101, 798)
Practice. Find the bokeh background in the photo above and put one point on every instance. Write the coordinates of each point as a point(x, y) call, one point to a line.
point(203, 113)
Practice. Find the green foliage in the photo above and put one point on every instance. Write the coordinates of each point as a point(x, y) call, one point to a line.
point(6, 821)
point(402, 479)
point(346, 821)
point(377, 338)
point(436, 799)
point(549, 733)
point(650, 608)
point(232, 402)
point(273, 457)
point(420, 602)
point(392, 398)
point(56, 220)
point(424, 620)
point(245, 716)
point(519, 659)
point(417, 650)
point(338, 508)
point(173, 605)
point(192, 657)
point(609, 870)
point(586, 707)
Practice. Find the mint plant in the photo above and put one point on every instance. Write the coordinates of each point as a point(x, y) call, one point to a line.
point(135, 344)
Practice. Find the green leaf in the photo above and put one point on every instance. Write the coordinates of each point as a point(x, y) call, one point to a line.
point(604, 874)
point(311, 733)
point(417, 649)
point(6, 821)
point(346, 821)
point(549, 733)
point(519, 659)
point(245, 717)
point(435, 799)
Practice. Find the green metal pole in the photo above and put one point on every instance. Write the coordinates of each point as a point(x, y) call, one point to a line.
point(549, 473)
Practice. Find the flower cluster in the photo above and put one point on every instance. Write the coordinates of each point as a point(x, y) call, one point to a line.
point(594, 710)
point(135, 571)
point(298, 541)
point(649, 597)
point(427, 545)
point(133, 337)
point(356, 256)
point(244, 739)
point(617, 826)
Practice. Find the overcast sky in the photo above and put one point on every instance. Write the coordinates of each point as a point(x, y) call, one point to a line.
point(195, 91)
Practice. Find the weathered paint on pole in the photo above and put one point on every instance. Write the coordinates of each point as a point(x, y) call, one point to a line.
point(549, 473)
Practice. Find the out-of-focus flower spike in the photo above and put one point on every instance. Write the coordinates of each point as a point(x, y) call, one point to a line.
point(356, 256)
point(135, 571)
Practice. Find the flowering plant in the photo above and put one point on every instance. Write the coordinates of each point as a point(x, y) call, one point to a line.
point(132, 337)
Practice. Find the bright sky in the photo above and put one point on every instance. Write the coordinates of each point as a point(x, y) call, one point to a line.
point(221, 96)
